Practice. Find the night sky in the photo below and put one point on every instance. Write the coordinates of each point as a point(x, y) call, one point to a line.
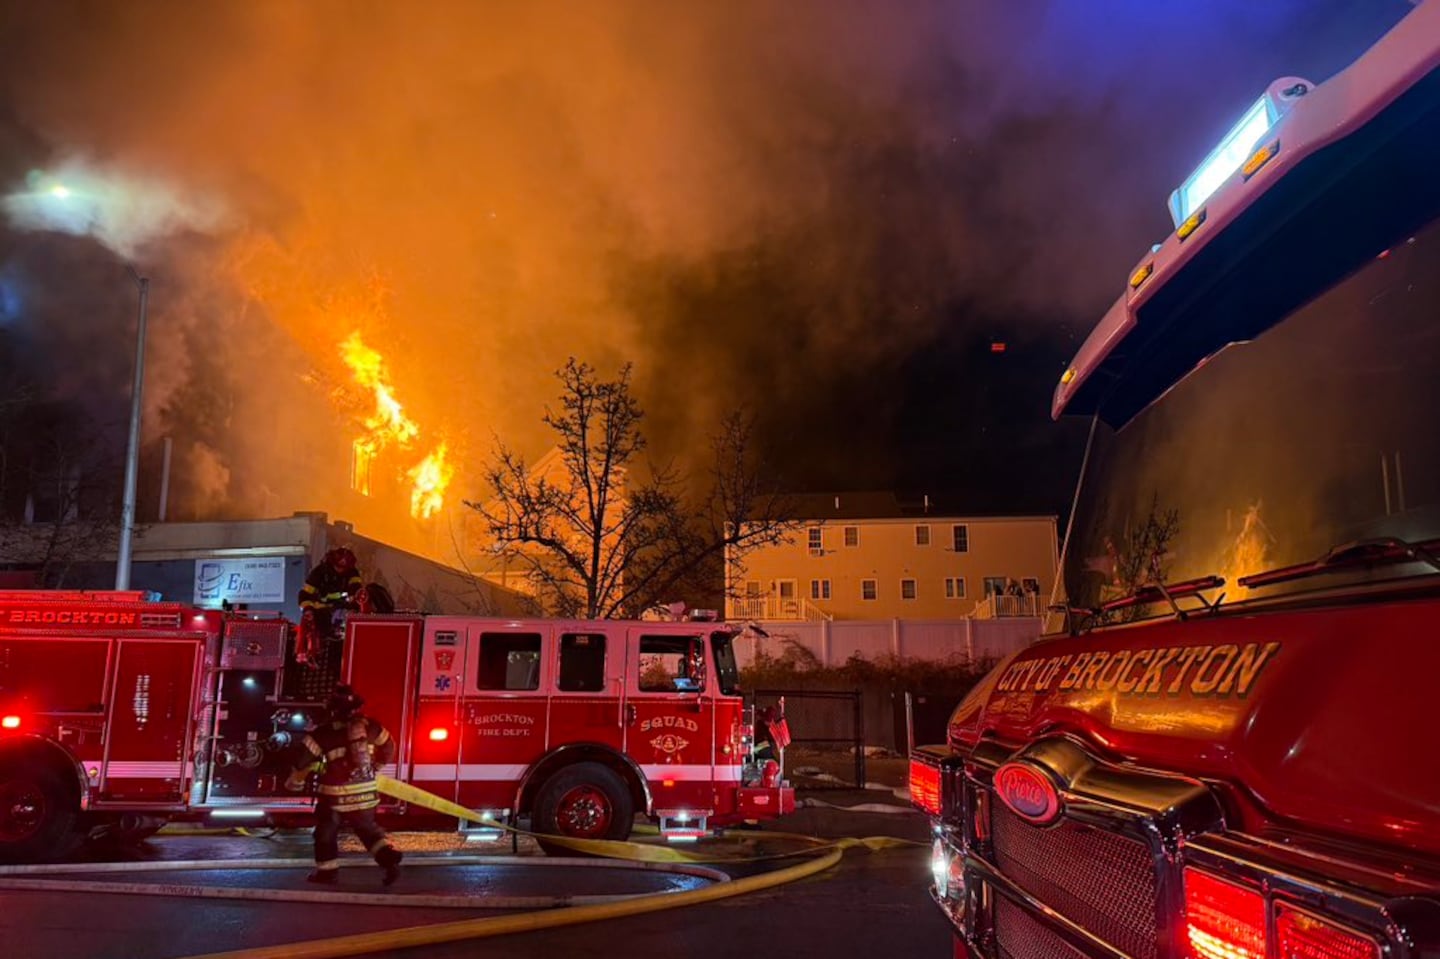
point(828, 211)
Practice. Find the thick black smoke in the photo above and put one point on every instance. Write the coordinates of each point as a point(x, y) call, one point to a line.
point(828, 211)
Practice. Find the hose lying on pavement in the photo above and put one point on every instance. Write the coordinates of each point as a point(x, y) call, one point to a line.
point(466, 929)
point(879, 807)
point(610, 848)
point(21, 878)
point(826, 854)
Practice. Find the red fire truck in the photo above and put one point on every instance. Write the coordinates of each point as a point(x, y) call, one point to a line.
point(121, 714)
point(1226, 750)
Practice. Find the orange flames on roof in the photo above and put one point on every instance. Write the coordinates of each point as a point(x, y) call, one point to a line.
point(389, 426)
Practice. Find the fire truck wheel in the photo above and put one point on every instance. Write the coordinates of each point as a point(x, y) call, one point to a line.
point(586, 801)
point(37, 813)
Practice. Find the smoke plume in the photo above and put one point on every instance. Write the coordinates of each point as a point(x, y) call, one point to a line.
point(121, 212)
point(824, 210)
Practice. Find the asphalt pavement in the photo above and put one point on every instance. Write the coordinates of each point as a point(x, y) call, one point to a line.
point(873, 903)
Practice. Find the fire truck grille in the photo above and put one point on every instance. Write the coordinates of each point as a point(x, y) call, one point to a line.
point(1102, 881)
point(1019, 935)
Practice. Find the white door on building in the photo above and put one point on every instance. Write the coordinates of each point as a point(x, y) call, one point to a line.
point(785, 590)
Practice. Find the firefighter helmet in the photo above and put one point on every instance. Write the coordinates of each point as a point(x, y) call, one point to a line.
point(342, 559)
point(344, 702)
point(374, 598)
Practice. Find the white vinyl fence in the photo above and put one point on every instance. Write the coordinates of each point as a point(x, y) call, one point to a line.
point(833, 642)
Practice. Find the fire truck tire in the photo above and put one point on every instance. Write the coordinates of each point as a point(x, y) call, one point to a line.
point(38, 814)
point(585, 801)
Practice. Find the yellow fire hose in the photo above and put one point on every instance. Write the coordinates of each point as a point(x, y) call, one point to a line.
point(29, 878)
point(609, 848)
point(829, 853)
point(414, 936)
point(573, 911)
point(615, 849)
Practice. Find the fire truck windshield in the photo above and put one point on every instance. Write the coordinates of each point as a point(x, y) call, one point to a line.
point(1319, 432)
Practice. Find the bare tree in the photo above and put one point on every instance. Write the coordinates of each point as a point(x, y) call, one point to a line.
point(57, 490)
point(598, 537)
point(739, 511)
point(1143, 556)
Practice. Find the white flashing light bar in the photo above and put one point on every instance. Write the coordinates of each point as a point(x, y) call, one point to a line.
point(237, 814)
point(1232, 152)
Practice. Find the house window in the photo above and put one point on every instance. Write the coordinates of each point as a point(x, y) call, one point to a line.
point(954, 587)
point(867, 589)
point(961, 538)
point(907, 589)
point(922, 536)
point(819, 589)
point(362, 457)
point(852, 536)
point(1030, 584)
point(817, 543)
point(994, 585)
point(752, 589)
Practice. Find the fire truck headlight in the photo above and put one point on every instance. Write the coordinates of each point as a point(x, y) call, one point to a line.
point(940, 867)
point(947, 869)
point(10, 722)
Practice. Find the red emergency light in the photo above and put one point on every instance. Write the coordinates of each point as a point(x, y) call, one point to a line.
point(1306, 937)
point(997, 346)
point(1222, 920)
point(925, 786)
point(10, 722)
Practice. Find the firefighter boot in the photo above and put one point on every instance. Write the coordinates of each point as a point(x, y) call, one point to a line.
point(389, 859)
point(324, 877)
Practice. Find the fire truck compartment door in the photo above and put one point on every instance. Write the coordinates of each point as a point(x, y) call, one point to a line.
point(504, 718)
point(148, 720)
point(587, 705)
point(380, 662)
point(435, 739)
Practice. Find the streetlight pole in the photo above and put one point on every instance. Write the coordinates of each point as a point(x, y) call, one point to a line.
point(132, 449)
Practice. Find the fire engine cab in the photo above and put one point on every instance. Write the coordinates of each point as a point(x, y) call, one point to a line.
point(1225, 747)
point(120, 714)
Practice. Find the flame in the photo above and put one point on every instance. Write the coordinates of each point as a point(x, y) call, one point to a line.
point(389, 426)
point(1250, 550)
point(431, 478)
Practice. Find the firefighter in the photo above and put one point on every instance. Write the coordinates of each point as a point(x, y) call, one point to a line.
point(333, 584)
point(773, 734)
point(347, 748)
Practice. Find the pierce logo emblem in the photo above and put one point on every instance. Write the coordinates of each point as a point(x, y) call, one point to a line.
point(1027, 792)
point(669, 743)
